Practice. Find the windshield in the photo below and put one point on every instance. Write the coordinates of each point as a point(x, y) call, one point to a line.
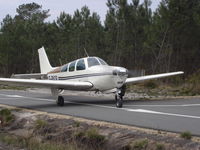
point(92, 61)
point(102, 61)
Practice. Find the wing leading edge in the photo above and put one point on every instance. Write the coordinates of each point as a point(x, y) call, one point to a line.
point(149, 77)
point(67, 85)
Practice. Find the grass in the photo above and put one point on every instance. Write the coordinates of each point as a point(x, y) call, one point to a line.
point(40, 124)
point(91, 137)
point(141, 144)
point(138, 145)
point(186, 135)
point(93, 134)
point(160, 146)
point(5, 87)
point(34, 144)
point(76, 124)
point(6, 117)
point(150, 84)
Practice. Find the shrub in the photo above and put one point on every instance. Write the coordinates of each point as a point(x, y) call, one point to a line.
point(34, 144)
point(150, 84)
point(6, 116)
point(186, 135)
point(93, 134)
point(40, 124)
point(194, 83)
point(160, 146)
point(76, 124)
point(79, 134)
point(139, 145)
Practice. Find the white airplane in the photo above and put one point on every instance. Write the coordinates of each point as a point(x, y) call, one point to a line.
point(84, 74)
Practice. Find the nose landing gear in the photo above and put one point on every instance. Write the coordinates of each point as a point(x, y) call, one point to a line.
point(119, 101)
point(60, 101)
point(119, 96)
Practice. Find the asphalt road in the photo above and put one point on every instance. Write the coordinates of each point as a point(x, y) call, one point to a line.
point(177, 115)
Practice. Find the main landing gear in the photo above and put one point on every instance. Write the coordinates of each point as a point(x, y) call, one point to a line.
point(119, 96)
point(56, 93)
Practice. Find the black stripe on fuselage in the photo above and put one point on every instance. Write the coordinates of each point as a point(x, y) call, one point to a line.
point(83, 76)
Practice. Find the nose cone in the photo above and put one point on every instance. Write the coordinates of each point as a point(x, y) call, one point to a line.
point(120, 71)
point(120, 75)
point(123, 71)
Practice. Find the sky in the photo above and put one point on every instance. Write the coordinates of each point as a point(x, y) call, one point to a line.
point(57, 6)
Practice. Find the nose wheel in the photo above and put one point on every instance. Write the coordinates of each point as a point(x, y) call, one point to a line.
point(119, 101)
point(60, 101)
point(119, 96)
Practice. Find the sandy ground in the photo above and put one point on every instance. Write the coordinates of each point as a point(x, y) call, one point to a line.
point(62, 127)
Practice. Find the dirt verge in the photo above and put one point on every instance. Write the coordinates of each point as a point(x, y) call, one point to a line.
point(88, 134)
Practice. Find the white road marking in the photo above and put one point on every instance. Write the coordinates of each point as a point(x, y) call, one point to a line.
point(110, 107)
point(188, 105)
point(141, 111)
point(15, 96)
point(6, 98)
point(184, 105)
point(41, 99)
point(162, 113)
point(19, 96)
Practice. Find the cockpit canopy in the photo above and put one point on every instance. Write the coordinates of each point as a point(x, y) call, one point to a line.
point(82, 64)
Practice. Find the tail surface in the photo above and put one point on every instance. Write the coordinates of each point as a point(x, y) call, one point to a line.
point(45, 66)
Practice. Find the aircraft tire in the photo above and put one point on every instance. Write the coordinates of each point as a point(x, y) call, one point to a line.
point(119, 101)
point(60, 101)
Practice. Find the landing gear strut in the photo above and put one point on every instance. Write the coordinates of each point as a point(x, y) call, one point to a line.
point(119, 100)
point(60, 101)
point(56, 93)
point(119, 96)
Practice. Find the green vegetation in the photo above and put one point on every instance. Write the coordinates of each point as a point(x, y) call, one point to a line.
point(12, 87)
point(34, 144)
point(77, 124)
point(150, 84)
point(186, 135)
point(6, 117)
point(194, 83)
point(40, 123)
point(92, 137)
point(131, 36)
point(93, 134)
point(138, 145)
point(160, 146)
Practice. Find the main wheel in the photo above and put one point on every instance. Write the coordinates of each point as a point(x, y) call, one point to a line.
point(60, 101)
point(119, 101)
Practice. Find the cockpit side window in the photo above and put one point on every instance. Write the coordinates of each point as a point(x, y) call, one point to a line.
point(92, 61)
point(64, 68)
point(80, 65)
point(72, 66)
point(102, 61)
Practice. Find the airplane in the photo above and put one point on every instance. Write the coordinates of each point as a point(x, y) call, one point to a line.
point(84, 74)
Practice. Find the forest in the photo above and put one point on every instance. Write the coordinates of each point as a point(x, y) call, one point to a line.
point(132, 36)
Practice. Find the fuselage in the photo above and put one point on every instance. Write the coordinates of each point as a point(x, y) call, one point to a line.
point(91, 69)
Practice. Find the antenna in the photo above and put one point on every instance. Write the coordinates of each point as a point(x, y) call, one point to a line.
point(86, 52)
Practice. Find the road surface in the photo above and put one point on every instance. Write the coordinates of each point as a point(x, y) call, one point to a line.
point(176, 115)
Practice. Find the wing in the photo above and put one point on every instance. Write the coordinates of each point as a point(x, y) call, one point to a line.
point(149, 77)
point(67, 85)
